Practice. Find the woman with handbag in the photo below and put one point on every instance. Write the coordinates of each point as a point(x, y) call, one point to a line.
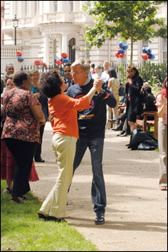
point(21, 131)
point(7, 159)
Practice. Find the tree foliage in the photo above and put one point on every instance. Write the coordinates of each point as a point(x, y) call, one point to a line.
point(134, 20)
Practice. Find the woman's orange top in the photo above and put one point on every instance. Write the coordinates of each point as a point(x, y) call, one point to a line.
point(64, 111)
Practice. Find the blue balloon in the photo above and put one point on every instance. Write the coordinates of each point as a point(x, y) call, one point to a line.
point(121, 44)
point(151, 56)
point(125, 47)
point(65, 60)
point(149, 51)
point(121, 51)
point(20, 58)
point(144, 50)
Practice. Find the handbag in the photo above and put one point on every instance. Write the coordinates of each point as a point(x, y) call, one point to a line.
point(4, 109)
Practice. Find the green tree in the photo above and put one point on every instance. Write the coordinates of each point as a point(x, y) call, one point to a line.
point(134, 20)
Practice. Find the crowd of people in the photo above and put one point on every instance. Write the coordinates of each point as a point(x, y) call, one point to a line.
point(80, 105)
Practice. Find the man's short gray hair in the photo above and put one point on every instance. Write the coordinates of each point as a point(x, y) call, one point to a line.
point(9, 64)
point(84, 66)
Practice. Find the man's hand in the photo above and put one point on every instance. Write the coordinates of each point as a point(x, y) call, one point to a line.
point(98, 84)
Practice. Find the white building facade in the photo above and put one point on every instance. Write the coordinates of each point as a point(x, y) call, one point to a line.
point(48, 28)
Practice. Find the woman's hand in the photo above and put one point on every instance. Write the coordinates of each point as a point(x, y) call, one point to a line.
point(38, 113)
point(37, 95)
point(51, 120)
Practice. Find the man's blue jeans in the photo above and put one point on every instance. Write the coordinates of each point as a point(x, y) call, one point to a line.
point(98, 186)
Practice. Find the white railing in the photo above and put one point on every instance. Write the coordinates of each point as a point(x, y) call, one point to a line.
point(70, 17)
point(9, 51)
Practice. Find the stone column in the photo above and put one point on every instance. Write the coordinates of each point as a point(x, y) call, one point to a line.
point(64, 43)
point(46, 49)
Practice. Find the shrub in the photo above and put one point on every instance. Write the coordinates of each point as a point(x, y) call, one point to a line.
point(153, 74)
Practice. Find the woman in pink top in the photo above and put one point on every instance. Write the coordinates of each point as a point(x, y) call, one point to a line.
point(63, 110)
point(161, 103)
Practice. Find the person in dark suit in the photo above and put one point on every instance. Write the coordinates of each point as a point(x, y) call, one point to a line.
point(35, 75)
point(148, 98)
point(68, 77)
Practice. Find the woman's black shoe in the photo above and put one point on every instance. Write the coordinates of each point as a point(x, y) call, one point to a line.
point(17, 200)
point(39, 160)
point(7, 190)
point(24, 197)
point(50, 218)
point(123, 134)
point(42, 216)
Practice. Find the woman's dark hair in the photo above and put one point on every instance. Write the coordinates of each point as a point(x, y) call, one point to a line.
point(112, 73)
point(19, 77)
point(132, 67)
point(50, 83)
point(147, 89)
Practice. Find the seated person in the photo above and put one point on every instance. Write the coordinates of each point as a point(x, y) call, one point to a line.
point(148, 100)
point(98, 72)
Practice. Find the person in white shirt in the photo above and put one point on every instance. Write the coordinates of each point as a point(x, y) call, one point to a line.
point(113, 85)
point(105, 76)
point(98, 72)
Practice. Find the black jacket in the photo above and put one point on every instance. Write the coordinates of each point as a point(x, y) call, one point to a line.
point(133, 95)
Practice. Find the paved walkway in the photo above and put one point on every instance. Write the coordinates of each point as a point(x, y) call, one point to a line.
point(136, 213)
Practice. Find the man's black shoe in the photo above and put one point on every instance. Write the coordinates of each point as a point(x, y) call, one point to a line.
point(99, 220)
point(39, 160)
point(114, 120)
point(118, 127)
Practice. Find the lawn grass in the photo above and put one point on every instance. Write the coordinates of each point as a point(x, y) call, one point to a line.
point(22, 230)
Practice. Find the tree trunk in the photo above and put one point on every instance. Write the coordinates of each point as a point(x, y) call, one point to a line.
point(132, 34)
point(131, 57)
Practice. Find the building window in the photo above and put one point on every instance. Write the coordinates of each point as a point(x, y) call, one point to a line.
point(165, 50)
point(55, 6)
point(54, 48)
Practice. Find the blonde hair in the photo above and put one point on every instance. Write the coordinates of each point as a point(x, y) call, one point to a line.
point(34, 71)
